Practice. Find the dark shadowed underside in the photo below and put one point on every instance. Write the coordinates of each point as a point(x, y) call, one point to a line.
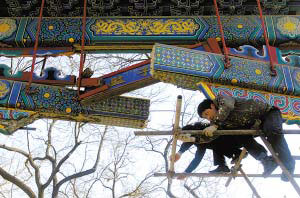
point(96, 8)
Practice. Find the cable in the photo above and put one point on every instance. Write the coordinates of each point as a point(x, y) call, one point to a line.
point(35, 45)
point(272, 67)
point(82, 58)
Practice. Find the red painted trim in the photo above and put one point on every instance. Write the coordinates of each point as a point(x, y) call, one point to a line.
point(206, 47)
point(92, 92)
point(273, 54)
point(214, 45)
point(90, 82)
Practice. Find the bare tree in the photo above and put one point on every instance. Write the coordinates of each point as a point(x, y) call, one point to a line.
point(40, 152)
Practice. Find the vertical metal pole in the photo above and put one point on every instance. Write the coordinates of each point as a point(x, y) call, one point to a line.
point(175, 132)
point(285, 171)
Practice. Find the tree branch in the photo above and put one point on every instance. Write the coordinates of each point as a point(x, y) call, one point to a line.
point(191, 191)
point(82, 173)
point(56, 169)
point(17, 182)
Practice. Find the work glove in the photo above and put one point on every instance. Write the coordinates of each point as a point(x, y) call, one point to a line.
point(208, 131)
point(177, 157)
point(181, 177)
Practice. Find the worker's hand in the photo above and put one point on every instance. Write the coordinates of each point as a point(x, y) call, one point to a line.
point(177, 157)
point(170, 174)
point(209, 131)
point(181, 177)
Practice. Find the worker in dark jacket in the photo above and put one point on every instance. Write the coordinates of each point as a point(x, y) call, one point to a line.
point(234, 113)
point(225, 145)
point(203, 143)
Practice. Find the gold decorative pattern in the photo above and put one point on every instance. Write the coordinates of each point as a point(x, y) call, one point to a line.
point(46, 95)
point(117, 80)
point(50, 27)
point(298, 77)
point(289, 25)
point(144, 71)
point(68, 110)
point(145, 26)
point(71, 40)
point(240, 26)
point(258, 71)
point(4, 89)
point(7, 27)
point(234, 81)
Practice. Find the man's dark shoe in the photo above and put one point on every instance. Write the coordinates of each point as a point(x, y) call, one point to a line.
point(269, 165)
point(220, 169)
point(235, 158)
point(284, 177)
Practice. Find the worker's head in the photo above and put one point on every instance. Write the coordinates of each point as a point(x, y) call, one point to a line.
point(207, 109)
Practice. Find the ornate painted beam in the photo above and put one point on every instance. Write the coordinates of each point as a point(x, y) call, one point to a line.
point(286, 57)
point(19, 108)
point(128, 79)
point(288, 105)
point(140, 33)
point(185, 67)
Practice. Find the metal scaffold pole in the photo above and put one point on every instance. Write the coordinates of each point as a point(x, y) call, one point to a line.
point(175, 134)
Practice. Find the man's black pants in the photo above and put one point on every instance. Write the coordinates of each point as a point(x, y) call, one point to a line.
point(272, 128)
point(230, 145)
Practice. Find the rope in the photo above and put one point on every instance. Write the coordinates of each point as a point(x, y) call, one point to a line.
point(36, 45)
point(272, 68)
point(226, 53)
point(82, 57)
